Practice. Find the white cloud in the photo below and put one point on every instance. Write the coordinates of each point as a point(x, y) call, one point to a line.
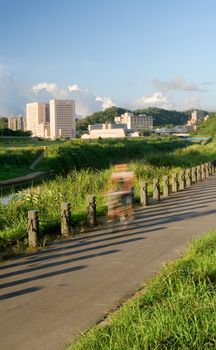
point(73, 87)
point(176, 83)
point(157, 99)
point(50, 88)
point(106, 101)
point(14, 95)
point(86, 102)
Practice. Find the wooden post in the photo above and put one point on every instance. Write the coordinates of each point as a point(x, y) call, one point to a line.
point(188, 177)
point(156, 189)
point(210, 168)
point(132, 195)
point(182, 181)
point(91, 214)
point(33, 227)
point(144, 193)
point(214, 166)
point(199, 175)
point(166, 185)
point(203, 173)
point(207, 169)
point(194, 174)
point(66, 228)
point(174, 183)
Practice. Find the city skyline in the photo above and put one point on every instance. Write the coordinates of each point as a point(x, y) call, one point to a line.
point(131, 54)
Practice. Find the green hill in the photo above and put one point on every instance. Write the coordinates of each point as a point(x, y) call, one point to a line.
point(208, 127)
point(161, 117)
point(99, 117)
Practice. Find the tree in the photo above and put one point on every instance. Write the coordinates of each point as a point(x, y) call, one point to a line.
point(99, 117)
point(3, 123)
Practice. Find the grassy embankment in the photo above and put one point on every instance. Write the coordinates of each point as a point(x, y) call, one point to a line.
point(161, 157)
point(18, 153)
point(15, 162)
point(77, 184)
point(175, 310)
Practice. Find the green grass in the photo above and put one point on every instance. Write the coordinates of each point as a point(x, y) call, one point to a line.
point(15, 161)
point(100, 154)
point(175, 310)
point(8, 142)
point(78, 184)
point(13, 171)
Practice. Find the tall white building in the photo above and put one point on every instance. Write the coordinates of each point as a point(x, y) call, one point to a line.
point(37, 119)
point(62, 119)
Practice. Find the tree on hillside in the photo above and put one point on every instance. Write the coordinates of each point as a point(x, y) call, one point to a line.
point(208, 127)
point(3, 123)
point(99, 117)
point(163, 117)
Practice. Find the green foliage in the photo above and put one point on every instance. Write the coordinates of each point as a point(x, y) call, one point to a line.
point(101, 153)
point(208, 127)
point(15, 161)
point(99, 117)
point(47, 199)
point(176, 310)
point(3, 123)
point(146, 158)
point(23, 141)
point(161, 117)
point(8, 132)
point(164, 117)
point(19, 155)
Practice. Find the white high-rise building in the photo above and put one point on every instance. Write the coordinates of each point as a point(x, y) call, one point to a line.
point(62, 119)
point(37, 119)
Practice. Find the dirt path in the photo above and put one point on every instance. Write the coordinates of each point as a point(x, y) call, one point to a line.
point(19, 180)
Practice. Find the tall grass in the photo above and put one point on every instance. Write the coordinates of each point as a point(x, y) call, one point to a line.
point(100, 154)
point(175, 310)
point(18, 155)
point(77, 185)
point(47, 198)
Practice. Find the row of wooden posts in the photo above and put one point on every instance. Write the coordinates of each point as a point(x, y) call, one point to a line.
point(178, 183)
point(66, 222)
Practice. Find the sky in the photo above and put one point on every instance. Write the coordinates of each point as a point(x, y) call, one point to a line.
point(128, 53)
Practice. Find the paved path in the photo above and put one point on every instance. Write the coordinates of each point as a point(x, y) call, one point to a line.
point(45, 298)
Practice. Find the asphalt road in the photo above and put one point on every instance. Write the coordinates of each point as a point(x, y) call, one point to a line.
point(48, 297)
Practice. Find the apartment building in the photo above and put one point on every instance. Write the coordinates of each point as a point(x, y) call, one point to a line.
point(136, 122)
point(53, 120)
point(17, 123)
point(37, 119)
point(62, 119)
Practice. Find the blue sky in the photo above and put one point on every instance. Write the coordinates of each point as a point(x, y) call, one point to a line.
point(132, 53)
